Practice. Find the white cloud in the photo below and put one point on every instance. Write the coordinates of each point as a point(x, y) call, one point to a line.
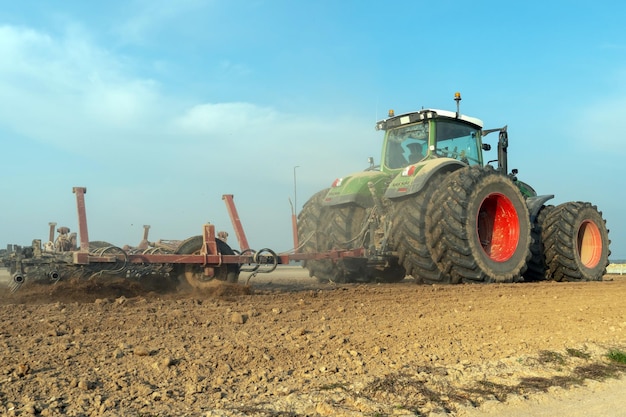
point(64, 91)
point(71, 84)
point(226, 118)
point(121, 104)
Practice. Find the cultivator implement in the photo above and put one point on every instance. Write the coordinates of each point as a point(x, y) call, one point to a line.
point(197, 260)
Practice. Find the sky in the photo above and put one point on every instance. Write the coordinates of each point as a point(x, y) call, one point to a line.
point(159, 108)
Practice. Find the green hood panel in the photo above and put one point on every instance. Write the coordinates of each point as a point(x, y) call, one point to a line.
point(354, 189)
point(413, 178)
point(527, 190)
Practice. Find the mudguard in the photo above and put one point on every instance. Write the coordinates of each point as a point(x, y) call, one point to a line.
point(413, 178)
point(355, 189)
point(535, 203)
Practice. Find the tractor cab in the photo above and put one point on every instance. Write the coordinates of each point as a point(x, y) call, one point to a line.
point(416, 145)
point(428, 134)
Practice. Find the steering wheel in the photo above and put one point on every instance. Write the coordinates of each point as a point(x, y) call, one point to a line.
point(442, 152)
point(469, 158)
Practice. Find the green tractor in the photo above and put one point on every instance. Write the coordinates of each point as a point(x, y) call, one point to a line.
point(435, 209)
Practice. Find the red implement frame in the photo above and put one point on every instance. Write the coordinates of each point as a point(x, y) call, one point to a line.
point(234, 218)
point(82, 218)
point(209, 256)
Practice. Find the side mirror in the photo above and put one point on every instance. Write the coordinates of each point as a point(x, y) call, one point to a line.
point(370, 160)
point(486, 147)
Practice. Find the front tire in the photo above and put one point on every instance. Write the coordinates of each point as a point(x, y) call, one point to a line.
point(346, 231)
point(478, 227)
point(312, 223)
point(576, 243)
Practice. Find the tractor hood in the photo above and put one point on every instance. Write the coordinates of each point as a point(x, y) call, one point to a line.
point(355, 188)
point(413, 178)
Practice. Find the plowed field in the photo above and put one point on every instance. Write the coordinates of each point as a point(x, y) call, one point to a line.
point(285, 345)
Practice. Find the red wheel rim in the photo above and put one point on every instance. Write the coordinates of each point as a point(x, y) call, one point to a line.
point(498, 227)
point(589, 244)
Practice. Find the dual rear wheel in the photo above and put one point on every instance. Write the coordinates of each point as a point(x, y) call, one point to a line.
point(576, 243)
point(477, 229)
point(470, 225)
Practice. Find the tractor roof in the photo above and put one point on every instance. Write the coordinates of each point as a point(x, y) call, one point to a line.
point(425, 114)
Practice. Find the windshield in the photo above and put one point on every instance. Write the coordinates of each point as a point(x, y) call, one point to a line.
point(458, 141)
point(406, 145)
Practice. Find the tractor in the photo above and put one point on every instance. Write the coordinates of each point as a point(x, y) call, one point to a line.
point(437, 209)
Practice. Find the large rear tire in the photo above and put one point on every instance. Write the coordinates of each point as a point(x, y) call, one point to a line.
point(576, 243)
point(193, 274)
point(537, 268)
point(478, 227)
point(409, 234)
point(313, 221)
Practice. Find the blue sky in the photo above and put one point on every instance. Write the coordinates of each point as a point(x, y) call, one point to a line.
point(160, 107)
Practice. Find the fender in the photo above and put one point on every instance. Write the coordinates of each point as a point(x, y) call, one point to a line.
point(355, 189)
point(535, 203)
point(413, 178)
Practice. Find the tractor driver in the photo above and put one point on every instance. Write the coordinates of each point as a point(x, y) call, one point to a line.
point(416, 154)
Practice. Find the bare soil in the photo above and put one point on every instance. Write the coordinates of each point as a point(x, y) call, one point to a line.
point(285, 345)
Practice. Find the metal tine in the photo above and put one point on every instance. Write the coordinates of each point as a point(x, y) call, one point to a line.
point(14, 286)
